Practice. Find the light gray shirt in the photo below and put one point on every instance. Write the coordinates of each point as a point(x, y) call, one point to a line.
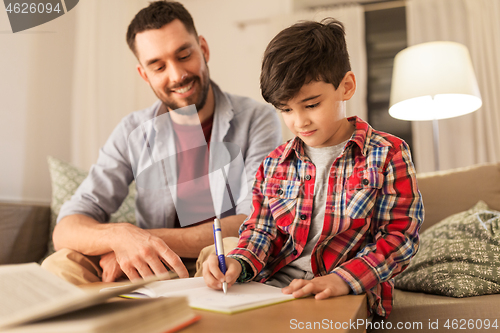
point(253, 127)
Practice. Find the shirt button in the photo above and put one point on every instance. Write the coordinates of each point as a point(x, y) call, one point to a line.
point(280, 192)
point(366, 182)
point(294, 252)
point(308, 177)
point(303, 216)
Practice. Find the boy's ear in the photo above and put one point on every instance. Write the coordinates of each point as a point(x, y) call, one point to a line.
point(349, 84)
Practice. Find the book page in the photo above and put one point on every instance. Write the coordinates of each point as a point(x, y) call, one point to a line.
point(163, 315)
point(163, 288)
point(239, 297)
point(28, 292)
point(27, 287)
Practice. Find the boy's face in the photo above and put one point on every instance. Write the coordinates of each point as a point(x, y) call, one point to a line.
point(317, 113)
point(174, 63)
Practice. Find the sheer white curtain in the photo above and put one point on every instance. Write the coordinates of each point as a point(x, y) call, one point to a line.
point(353, 18)
point(473, 138)
point(106, 86)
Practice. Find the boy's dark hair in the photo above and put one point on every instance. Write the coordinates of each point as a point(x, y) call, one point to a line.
point(306, 51)
point(155, 16)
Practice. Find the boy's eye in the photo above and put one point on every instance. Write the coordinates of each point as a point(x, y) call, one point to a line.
point(159, 68)
point(285, 110)
point(312, 106)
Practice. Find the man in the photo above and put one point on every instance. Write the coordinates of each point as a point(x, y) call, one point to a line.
point(173, 61)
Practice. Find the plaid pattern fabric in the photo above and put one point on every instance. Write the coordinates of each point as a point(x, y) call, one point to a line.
point(373, 213)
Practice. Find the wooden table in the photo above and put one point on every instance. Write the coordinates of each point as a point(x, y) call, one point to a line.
point(296, 315)
point(339, 314)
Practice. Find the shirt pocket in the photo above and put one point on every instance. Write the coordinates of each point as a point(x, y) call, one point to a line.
point(362, 190)
point(282, 196)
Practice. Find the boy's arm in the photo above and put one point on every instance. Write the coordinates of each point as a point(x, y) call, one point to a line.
point(325, 286)
point(398, 214)
point(257, 233)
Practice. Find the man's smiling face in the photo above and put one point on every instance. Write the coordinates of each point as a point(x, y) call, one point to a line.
point(174, 63)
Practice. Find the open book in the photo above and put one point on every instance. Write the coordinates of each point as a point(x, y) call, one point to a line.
point(240, 297)
point(162, 315)
point(28, 293)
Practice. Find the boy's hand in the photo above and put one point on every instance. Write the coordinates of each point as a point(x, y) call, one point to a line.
point(323, 287)
point(213, 276)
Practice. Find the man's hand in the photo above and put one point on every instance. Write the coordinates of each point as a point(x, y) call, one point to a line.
point(140, 254)
point(213, 276)
point(188, 242)
point(323, 287)
point(111, 270)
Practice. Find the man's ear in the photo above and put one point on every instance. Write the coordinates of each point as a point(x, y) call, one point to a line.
point(204, 47)
point(142, 73)
point(349, 84)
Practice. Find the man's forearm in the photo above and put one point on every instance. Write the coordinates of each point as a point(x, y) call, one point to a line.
point(138, 252)
point(188, 242)
point(83, 234)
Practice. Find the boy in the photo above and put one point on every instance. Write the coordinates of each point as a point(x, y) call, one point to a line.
point(336, 210)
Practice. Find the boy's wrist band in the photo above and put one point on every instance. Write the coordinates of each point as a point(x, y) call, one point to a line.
point(246, 271)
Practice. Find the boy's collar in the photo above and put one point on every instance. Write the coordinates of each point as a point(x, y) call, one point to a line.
point(362, 133)
point(295, 144)
point(361, 137)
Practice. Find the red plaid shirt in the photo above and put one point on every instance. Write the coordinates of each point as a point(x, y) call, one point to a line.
point(373, 214)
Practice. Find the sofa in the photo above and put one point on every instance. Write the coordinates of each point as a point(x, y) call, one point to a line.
point(446, 193)
point(25, 230)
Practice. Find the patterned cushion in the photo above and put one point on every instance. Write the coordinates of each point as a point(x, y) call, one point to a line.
point(458, 257)
point(65, 181)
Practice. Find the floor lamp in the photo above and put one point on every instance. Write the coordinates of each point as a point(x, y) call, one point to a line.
point(433, 81)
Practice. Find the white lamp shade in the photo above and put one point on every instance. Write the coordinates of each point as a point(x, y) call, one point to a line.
point(433, 80)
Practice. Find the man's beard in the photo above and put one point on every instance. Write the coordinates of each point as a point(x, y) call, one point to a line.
point(202, 97)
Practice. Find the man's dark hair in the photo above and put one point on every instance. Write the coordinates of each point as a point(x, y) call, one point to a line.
point(307, 51)
point(155, 16)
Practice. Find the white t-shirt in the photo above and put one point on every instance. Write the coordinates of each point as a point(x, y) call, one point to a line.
point(322, 159)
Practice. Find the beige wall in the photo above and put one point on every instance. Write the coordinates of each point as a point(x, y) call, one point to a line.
point(34, 105)
point(37, 81)
point(66, 84)
point(237, 32)
point(105, 85)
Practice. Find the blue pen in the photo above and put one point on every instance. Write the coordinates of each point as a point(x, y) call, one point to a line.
point(219, 250)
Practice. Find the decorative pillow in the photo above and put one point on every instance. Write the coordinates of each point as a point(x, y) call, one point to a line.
point(65, 181)
point(458, 257)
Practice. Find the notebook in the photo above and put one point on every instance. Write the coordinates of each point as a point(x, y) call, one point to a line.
point(240, 297)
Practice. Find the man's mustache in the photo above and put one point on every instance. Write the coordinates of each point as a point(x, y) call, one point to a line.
point(183, 83)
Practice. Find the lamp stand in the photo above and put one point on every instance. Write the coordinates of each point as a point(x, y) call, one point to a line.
point(435, 132)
